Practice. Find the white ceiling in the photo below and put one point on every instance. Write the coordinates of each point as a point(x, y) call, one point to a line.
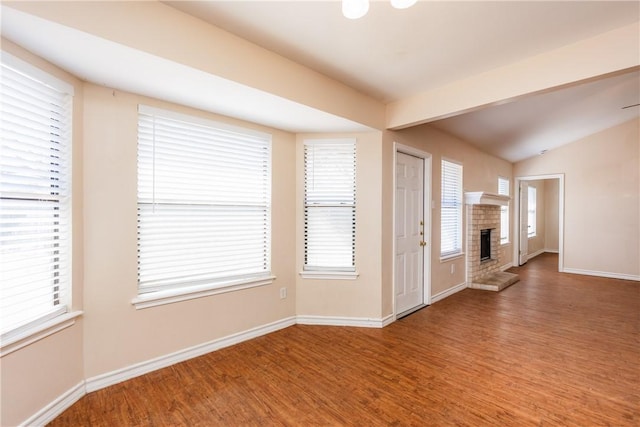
point(389, 54)
point(392, 54)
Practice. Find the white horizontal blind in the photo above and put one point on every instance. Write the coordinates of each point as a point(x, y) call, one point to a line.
point(451, 209)
point(329, 205)
point(503, 188)
point(35, 196)
point(204, 202)
point(532, 212)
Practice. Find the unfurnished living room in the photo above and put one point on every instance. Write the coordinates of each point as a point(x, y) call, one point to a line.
point(345, 212)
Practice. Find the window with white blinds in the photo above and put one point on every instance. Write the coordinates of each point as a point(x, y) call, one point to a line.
point(35, 197)
point(451, 210)
point(204, 203)
point(329, 205)
point(503, 189)
point(532, 212)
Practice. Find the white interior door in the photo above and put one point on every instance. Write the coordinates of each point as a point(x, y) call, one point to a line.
point(523, 253)
point(410, 229)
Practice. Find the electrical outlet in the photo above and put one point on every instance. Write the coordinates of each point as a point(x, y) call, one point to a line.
point(283, 293)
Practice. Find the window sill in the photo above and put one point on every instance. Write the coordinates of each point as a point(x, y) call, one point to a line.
point(330, 275)
point(38, 332)
point(505, 244)
point(451, 257)
point(154, 299)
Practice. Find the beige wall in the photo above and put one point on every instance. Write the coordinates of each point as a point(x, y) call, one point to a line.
point(116, 334)
point(602, 205)
point(34, 375)
point(480, 173)
point(360, 298)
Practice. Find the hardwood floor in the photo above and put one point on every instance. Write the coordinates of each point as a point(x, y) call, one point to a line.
point(552, 350)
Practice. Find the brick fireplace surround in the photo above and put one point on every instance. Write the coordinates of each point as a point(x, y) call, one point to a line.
point(483, 212)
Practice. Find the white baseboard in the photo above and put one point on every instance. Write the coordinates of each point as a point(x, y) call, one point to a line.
point(45, 415)
point(447, 293)
point(552, 251)
point(622, 276)
point(506, 266)
point(63, 402)
point(387, 320)
point(535, 254)
point(361, 322)
point(117, 376)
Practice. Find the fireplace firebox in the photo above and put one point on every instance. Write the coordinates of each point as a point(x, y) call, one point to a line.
point(485, 244)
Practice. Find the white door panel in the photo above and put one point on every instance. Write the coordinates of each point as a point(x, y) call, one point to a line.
point(409, 279)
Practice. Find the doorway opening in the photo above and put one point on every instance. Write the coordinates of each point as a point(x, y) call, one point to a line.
point(540, 228)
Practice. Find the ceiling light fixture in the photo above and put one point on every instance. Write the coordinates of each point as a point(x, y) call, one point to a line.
point(354, 9)
point(403, 4)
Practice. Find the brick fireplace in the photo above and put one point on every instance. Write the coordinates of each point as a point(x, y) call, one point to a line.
point(483, 217)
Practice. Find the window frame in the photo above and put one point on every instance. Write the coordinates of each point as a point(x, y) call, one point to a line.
point(149, 295)
point(59, 314)
point(345, 200)
point(505, 234)
point(532, 212)
point(456, 203)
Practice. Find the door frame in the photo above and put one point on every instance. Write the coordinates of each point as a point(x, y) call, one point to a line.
point(516, 216)
point(426, 213)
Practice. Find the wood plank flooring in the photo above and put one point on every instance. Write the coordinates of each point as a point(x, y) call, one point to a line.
point(552, 350)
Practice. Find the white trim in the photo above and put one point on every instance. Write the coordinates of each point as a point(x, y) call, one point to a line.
point(451, 257)
point(154, 299)
point(551, 251)
point(101, 381)
point(57, 406)
point(516, 215)
point(633, 277)
point(38, 332)
point(506, 266)
point(447, 293)
point(329, 275)
point(387, 320)
point(536, 253)
point(362, 322)
point(68, 398)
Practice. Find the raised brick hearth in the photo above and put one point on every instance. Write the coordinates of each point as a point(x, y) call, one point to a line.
point(483, 212)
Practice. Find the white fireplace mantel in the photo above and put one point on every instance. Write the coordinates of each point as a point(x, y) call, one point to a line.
point(484, 198)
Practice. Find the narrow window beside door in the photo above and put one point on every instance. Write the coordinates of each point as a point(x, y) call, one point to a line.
point(503, 189)
point(451, 210)
point(532, 212)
